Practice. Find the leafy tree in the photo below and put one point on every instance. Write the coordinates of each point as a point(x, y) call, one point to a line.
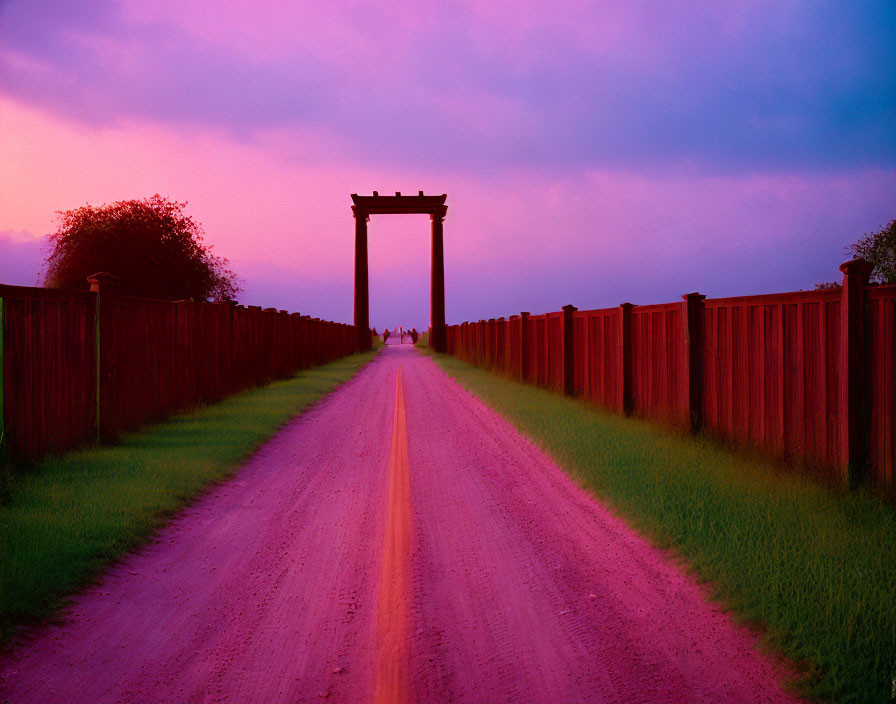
point(879, 248)
point(151, 245)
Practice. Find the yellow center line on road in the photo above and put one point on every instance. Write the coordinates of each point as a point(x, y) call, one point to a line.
point(391, 670)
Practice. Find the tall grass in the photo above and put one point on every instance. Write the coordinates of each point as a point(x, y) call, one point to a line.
point(73, 515)
point(814, 567)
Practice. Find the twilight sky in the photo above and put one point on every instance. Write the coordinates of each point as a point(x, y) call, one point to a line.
point(592, 152)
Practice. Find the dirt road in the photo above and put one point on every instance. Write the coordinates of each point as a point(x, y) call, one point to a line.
point(399, 542)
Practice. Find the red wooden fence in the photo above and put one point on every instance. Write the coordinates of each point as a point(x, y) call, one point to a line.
point(808, 376)
point(49, 370)
point(66, 355)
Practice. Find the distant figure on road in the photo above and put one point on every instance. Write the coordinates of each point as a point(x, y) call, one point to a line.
point(385, 335)
point(414, 336)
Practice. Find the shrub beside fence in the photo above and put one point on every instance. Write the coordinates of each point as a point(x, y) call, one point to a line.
point(77, 366)
point(808, 376)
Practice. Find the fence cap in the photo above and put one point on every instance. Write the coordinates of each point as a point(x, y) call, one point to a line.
point(694, 296)
point(859, 267)
point(100, 280)
point(569, 308)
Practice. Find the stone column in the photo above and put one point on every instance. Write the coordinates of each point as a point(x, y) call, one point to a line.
point(437, 338)
point(362, 303)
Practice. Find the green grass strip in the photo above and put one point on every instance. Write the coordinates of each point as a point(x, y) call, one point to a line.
point(67, 520)
point(814, 567)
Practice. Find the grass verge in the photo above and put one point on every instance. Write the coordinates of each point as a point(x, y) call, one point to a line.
point(73, 515)
point(816, 569)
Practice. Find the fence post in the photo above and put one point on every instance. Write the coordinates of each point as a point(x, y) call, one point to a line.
point(471, 332)
point(4, 460)
point(491, 343)
point(97, 283)
point(524, 344)
point(854, 416)
point(501, 344)
point(569, 358)
point(511, 351)
point(693, 319)
point(472, 343)
point(230, 317)
point(300, 340)
point(318, 341)
point(625, 354)
point(2, 368)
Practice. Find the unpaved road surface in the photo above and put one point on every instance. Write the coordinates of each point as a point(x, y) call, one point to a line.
point(397, 543)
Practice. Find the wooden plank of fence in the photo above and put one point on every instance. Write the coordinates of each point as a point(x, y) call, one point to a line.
point(882, 386)
point(48, 370)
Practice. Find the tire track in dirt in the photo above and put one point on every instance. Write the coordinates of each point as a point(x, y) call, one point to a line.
point(392, 683)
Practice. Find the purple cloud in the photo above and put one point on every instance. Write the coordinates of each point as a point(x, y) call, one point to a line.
point(757, 86)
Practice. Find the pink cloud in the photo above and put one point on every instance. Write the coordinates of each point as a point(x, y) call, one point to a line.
point(515, 239)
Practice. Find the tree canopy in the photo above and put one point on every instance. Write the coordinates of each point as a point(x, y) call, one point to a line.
point(152, 247)
point(879, 248)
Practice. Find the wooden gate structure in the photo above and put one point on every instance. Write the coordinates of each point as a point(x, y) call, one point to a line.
point(363, 208)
